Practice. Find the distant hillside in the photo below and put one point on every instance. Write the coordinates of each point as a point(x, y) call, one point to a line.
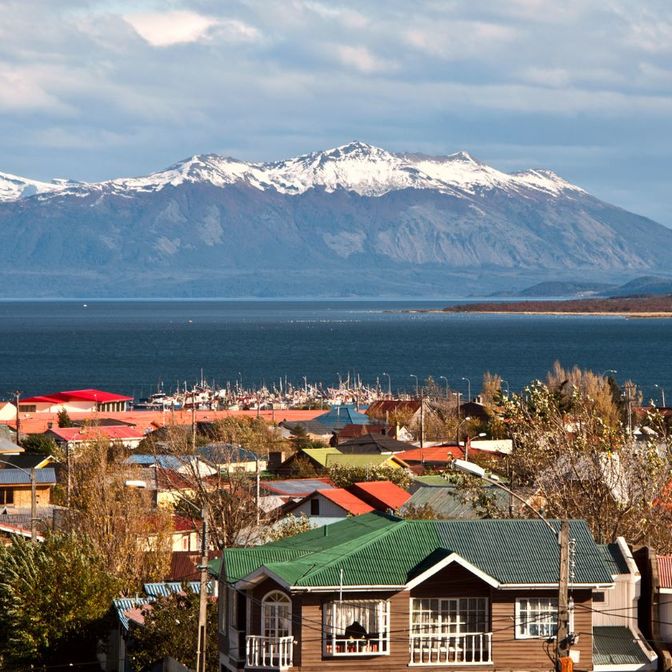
point(559, 288)
point(644, 286)
point(354, 220)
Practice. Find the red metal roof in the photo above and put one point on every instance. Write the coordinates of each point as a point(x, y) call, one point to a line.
point(664, 570)
point(112, 432)
point(89, 394)
point(382, 495)
point(346, 500)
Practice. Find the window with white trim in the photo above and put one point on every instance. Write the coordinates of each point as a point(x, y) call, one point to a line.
point(449, 616)
point(276, 615)
point(454, 630)
point(356, 628)
point(537, 617)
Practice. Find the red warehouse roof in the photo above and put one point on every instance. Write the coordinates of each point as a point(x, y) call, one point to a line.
point(98, 396)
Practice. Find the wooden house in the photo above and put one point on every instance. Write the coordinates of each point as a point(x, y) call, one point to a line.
point(387, 594)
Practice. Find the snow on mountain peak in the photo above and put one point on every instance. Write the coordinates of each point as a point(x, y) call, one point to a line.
point(356, 166)
point(14, 188)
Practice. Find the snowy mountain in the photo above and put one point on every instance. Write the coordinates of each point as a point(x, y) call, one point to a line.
point(13, 187)
point(352, 220)
point(356, 167)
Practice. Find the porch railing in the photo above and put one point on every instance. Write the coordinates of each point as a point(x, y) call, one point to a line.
point(462, 649)
point(268, 653)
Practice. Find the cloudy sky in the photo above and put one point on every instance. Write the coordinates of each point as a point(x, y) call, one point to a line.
point(98, 89)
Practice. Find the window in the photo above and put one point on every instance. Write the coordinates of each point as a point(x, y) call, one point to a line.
point(356, 628)
point(315, 507)
point(6, 496)
point(276, 615)
point(537, 617)
point(599, 597)
point(450, 631)
point(435, 616)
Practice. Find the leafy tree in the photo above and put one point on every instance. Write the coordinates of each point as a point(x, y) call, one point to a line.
point(288, 527)
point(583, 463)
point(343, 475)
point(50, 594)
point(39, 443)
point(424, 512)
point(132, 539)
point(64, 418)
point(171, 629)
point(251, 433)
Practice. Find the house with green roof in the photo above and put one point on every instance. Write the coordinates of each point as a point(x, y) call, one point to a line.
point(389, 593)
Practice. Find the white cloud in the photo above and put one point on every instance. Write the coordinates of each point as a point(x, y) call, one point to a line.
point(361, 59)
point(163, 29)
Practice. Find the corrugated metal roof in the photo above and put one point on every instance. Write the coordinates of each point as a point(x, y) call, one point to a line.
point(11, 476)
point(296, 487)
point(664, 563)
point(616, 645)
point(372, 460)
point(164, 589)
point(346, 500)
point(611, 553)
point(384, 550)
point(124, 605)
point(320, 455)
point(382, 494)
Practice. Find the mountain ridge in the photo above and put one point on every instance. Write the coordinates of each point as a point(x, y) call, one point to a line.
point(354, 220)
point(356, 166)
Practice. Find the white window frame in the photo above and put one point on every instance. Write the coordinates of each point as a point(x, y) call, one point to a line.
point(456, 605)
point(272, 602)
point(335, 645)
point(548, 608)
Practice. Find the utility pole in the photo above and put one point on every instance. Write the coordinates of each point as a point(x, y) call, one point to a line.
point(203, 596)
point(563, 639)
point(193, 423)
point(422, 420)
point(33, 506)
point(17, 398)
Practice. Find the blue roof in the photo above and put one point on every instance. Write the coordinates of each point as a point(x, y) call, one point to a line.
point(172, 462)
point(166, 588)
point(17, 477)
point(225, 453)
point(339, 416)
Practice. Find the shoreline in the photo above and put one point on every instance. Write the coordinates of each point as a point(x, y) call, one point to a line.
point(593, 313)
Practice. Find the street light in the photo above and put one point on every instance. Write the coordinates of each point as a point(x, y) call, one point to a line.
point(203, 588)
point(662, 393)
point(446, 379)
point(468, 388)
point(33, 497)
point(389, 384)
point(459, 424)
point(416, 383)
point(563, 637)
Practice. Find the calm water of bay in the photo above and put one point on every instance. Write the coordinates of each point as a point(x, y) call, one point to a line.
point(129, 346)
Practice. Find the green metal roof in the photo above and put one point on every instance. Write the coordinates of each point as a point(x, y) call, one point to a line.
point(614, 558)
point(616, 645)
point(376, 549)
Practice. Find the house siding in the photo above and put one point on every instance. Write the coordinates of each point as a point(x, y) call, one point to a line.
point(509, 654)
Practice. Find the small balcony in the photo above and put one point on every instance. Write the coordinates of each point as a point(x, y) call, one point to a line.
point(471, 648)
point(268, 653)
